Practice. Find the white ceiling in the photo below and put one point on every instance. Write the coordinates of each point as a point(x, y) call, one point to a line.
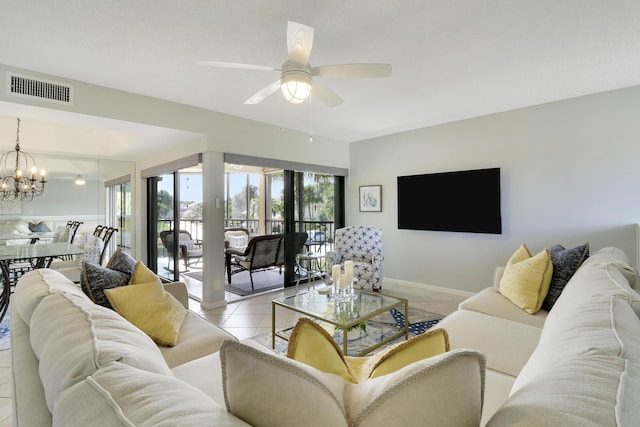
point(451, 59)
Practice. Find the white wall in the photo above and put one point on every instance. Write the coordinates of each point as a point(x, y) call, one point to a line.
point(569, 171)
point(217, 134)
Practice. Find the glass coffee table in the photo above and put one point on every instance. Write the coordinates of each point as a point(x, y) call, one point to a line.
point(345, 316)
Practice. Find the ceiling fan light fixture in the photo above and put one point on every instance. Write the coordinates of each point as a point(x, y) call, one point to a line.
point(295, 84)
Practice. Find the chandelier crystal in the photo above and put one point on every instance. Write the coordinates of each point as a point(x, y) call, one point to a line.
point(18, 170)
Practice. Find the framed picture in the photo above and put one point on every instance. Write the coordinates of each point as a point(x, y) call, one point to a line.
point(371, 198)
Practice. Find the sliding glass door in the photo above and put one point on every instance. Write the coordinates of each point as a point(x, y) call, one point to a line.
point(277, 201)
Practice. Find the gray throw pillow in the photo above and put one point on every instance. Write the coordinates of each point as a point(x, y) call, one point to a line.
point(565, 263)
point(94, 279)
point(39, 227)
point(122, 261)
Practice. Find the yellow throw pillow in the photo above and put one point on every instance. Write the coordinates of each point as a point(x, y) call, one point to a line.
point(526, 278)
point(149, 307)
point(312, 345)
point(142, 274)
point(431, 343)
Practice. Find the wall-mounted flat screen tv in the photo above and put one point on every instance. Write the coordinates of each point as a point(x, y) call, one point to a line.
point(462, 201)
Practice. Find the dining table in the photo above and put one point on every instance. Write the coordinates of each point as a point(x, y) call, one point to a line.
point(38, 256)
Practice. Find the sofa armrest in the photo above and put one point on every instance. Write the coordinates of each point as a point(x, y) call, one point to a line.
point(334, 256)
point(375, 258)
point(497, 275)
point(179, 291)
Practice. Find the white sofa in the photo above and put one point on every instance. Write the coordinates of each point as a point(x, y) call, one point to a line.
point(576, 365)
point(79, 364)
point(76, 363)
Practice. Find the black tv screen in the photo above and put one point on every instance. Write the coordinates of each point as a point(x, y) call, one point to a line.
point(461, 201)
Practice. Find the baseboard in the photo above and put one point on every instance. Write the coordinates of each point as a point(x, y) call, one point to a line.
point(212, 305)
point(388, 283)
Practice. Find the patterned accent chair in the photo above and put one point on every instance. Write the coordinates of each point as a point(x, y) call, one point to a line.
point(362, 245)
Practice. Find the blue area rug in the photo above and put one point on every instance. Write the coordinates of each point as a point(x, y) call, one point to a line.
point(416, 328)
point(5, 332)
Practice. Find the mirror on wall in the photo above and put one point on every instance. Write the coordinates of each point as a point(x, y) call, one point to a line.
point(76, 191)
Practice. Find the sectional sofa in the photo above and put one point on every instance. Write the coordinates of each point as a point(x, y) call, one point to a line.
point(575, 365)
point(76, 363)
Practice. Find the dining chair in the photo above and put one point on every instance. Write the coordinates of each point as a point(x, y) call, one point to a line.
point(94, 251)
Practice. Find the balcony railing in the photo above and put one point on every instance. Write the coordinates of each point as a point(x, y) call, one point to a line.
point(317, 230)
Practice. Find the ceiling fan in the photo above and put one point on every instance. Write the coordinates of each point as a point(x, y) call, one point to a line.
point(297, 76)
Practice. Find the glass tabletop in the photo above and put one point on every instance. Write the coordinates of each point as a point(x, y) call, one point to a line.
point(38, 251)
point(320, 304)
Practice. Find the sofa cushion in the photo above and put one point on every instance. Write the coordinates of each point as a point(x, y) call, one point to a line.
point(148, 306)
point(491, 301)
point(84, 337)
point(603, 325)
point(210, 384)
point(611, 255)
point(311, 344)
point(506, 344)
point(118, 394)
point(197, 338)
point(587, 391)
point(526, 278)
point(38, 284)
point(565, 263)
point(94, 279)
point(267, 389)
point(598, 279)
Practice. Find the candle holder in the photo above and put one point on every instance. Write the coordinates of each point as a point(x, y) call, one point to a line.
point(342, 291)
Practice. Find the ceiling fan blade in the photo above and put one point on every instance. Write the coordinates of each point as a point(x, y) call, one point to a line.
point(299, 42)
point(263, 93)
point(325, 95)
point(237, 66)
point(353, 70)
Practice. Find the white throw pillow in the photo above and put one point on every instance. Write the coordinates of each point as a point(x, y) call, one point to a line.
point(266, 389)
point(93, 250)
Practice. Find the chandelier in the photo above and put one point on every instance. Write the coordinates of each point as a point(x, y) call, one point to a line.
point(18, 171)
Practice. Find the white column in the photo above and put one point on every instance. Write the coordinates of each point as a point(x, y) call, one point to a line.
point(213, 227)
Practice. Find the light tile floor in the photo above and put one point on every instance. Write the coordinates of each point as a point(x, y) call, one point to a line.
point(248, 317)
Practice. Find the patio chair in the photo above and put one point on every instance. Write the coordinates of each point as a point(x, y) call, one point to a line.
point(189, 250)
point(261, 253)
point(362, 245)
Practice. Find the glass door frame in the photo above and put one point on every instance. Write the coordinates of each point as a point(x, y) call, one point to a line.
point(153, 220)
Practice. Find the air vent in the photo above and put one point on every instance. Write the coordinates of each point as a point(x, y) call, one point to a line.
point(48, 90)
